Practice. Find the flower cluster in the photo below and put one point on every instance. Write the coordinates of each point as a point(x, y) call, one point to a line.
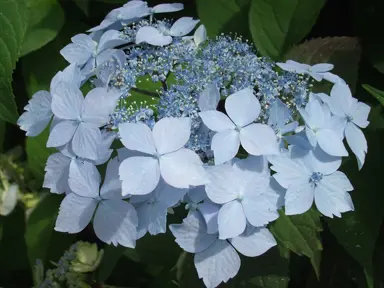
point(233, 137)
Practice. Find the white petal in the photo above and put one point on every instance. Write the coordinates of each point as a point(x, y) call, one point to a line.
point(254, 242)
point(293, 66)
point(357, 142)
point(183, 26)
point(341, 99)
point(171, 134)
point(71, 74)
point(216, 121)
point(84, 179)
point(331, 142)
point(168, 7)
point(182, 169)
point(62, 133)
point(259, 210)
point(75, 53)
point(98, 105)
point(152, 36)
point(138, 137)
point(319, 161)
point(124, 153)
point(67, 101)
point(314, 116)
point(87, 141)
point(242, 107)
point(200, 35)
point(112, 185)
point(222, 186)
point(139, 175)
point(57, 173)
point(259, 139)
point(115, 223)
point(231, 220)
point(210, 212)
point(152, 219)
point(37, 114)
point(110, 39)
point(299, 197)
point(75, 213)
point(209, 98)
point(331, 197)
point(217, 264)
point(360, 114)
point(322, 67)
point(191, 235)
point(168, 195)
point(225, 145)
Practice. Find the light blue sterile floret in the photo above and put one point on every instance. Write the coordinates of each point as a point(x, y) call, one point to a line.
point(311, 175)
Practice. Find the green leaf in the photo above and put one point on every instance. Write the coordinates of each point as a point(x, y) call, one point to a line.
point(38, 154)
point(343, 52)
point(276, 25)
point(12, 29)
point(111, 256)
point(83, 5)
point(357, 231)
point(300, 234)
point(378, 94)
point(46, 18)
point(40, 236)
point(224, 16)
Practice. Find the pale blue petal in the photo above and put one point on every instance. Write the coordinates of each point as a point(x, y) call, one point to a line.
point(111, 188)
point(62, 133)
point(110, 39)
point(293, 66)
point(276, 193)
point(75, 213)
point(251, 167)
point(311, 136)
point(197, 194)
point(209, 98)
point(57, 173)
point(138, 137)
point(171, 134)
point(107, 138)
point(200, 36)
point(319, 161)
point(152, 36)
point(191, 235)
point(225, 145)
point(254, 242)
point(331, 142)
point(279, 114)
point(210, 212)
point(299, 197)
point(37, 114)
point(242, 107)
point(259, 210)
point(360, 112)
point(259, 139)
point(341, 101)
point(124, 153)
point(98, 105)
point(331, 197)
point(143, 215)
point(157, 219)
point(84, 179)
point(115, 223)
point(231, 219)
point(87, 141)
point(74, 53)
point(357, 142)
point(168, 195)
point(183, 26)
point(222, 186)
point(219, 263)
point(67, 101)
point(322, 67)
point(288, 128)
point(315, 116)
point(71, 74)
point(168, 7)
point(216, 121)
point(139, 175)
point(182, 169)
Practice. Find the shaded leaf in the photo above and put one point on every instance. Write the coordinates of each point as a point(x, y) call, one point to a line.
point(378, 94)
point(83, 5)
point(45, 19)
point(224, 16)
point(12, 29)
point(276, 25)
point(300, 234)
point(357, 231)
point(111, 256)
point(343, 52)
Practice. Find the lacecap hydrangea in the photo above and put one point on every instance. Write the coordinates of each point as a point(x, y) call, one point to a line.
point(233, 137)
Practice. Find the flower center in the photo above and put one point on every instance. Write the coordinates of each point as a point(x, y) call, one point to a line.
point(349, 118)
point(316, 177)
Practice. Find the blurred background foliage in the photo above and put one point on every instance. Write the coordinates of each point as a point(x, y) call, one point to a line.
point(313, 251)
